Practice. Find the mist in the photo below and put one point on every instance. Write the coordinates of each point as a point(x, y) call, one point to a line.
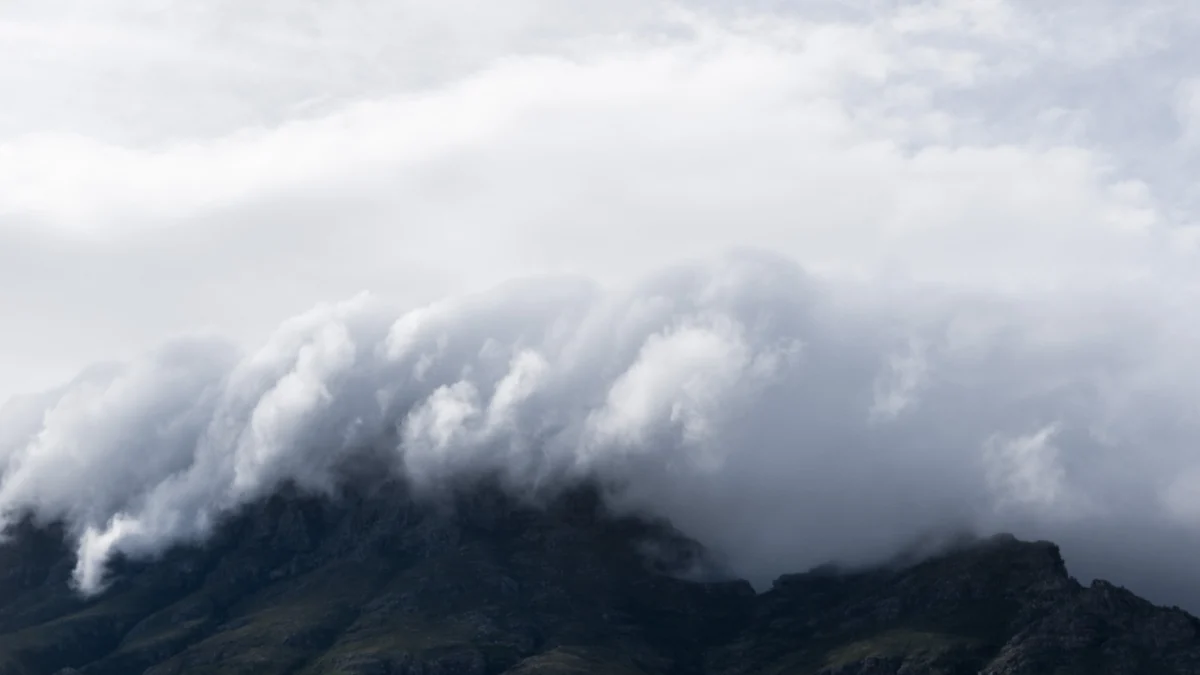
point(811, 282)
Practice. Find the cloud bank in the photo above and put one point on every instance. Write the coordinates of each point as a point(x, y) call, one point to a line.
point(978, 309)
point(254, 161)
point(782, 420)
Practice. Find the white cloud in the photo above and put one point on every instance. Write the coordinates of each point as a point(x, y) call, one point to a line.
point(898, 387)
point(733, 396)
point(1025, 470)
point(604, 149)
point(1187, 109)
point(984, 200)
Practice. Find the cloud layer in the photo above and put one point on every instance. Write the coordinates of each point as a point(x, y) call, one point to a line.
point(254, 161)
point(978, 309)
point(782, 420)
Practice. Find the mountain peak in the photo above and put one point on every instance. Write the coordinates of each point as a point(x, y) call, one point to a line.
point(477, 582)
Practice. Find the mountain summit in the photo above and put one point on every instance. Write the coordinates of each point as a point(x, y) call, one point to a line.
point(378, 583)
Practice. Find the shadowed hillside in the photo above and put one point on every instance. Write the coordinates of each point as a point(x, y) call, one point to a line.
point(375, 583)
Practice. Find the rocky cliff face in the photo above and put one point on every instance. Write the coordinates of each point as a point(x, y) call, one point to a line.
point(377, 584)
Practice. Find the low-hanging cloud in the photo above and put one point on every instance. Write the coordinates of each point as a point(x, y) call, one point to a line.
point(782, 419)
point(979, 310)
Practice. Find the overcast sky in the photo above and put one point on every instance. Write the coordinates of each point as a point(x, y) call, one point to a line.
point(993, 201)
point(168, 166)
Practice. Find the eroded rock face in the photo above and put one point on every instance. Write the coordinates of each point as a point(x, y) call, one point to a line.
point(996, 606)
point(376, 583)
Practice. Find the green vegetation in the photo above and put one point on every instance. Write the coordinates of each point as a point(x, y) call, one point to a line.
point(905, 644)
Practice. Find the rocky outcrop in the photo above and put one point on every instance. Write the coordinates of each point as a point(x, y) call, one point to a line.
point(479, 583)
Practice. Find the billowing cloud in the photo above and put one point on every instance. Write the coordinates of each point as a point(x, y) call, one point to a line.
point(740, 398)
point(978, 309)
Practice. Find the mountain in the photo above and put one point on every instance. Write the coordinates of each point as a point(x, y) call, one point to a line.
point(374, 582)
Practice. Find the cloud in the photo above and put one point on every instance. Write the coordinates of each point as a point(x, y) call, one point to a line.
point(978, 308)
point(855, 143)
point(739, 397)
point(1187, 109)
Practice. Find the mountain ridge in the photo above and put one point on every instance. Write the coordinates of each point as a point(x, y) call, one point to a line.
point(376, 582)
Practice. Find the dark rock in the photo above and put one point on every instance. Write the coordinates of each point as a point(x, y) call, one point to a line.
point(375, 583)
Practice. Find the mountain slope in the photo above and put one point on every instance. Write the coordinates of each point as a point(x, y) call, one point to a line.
point(374, 583)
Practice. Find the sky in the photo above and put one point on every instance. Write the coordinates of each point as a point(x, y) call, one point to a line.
point(809, 278)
